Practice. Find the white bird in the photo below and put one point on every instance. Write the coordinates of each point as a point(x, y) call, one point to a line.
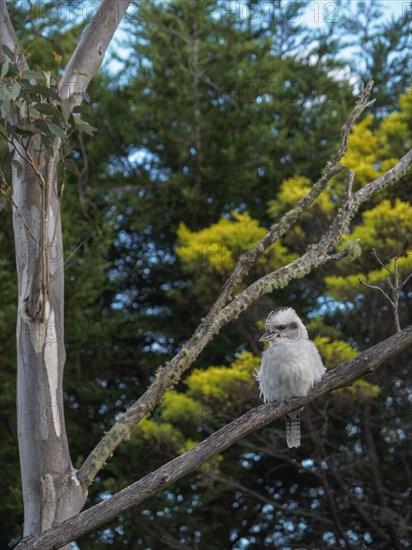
point(290, 366)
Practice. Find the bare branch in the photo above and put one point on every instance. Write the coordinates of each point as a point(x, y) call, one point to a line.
point(375, 254)
point(316, 254)
point(395, 285)
point(406, 280)
point(376, 287)
point(9, 197)
point(337, 256)
point(392, 175)
point(339, 377)
point(90, 51)
point(349, 187)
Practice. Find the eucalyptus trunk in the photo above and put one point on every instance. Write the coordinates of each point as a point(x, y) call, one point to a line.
point(51, 491)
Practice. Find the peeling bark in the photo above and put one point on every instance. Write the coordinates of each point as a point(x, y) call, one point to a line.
point(51, 490)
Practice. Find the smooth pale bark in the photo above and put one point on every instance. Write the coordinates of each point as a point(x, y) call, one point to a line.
point(51, 489)
point(88, 55)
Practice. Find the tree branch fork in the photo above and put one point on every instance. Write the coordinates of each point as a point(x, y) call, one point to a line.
point(341, 376)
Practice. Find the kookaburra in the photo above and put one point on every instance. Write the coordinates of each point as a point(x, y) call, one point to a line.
point(290, 366)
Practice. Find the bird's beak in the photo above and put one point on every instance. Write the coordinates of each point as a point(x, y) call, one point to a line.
point(268, 336)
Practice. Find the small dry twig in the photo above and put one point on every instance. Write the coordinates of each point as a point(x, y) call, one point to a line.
point(393, 281)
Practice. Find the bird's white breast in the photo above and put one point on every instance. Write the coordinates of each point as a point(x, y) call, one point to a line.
point(289, 369)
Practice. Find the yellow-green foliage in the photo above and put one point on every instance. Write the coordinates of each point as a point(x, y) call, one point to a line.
point(384, 227)
point(395, 131)
point(291, 191)
point(227, 385)
point(218, 247)
point(210, 392)
point(342, 288)
point(212, 252)
point(178, 408)
point(372, 152)
point(164, 436)
point(334, 352)
point(363, 148)
point(187, 445)
point(361, 391)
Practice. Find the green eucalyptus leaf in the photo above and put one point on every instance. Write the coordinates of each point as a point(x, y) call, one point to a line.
point(8, 51)
point(22, 106)
point(36, 75)
point(85, 127)
point(27, 128)
point(65, 106)
point(81, 109)
point(4, 69)
point(13, 70)
point(44, 91)
point(9, 93)
point(41, 126)
point(49, 110)
point(34, 112)
point(56, 130)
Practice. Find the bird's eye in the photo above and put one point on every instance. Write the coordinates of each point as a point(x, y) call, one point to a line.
point(282, 327)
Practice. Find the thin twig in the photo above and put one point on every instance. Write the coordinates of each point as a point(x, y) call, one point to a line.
point(70, 257)
point(337, 256)
point(222, 478)
point(375, 287)
point(406, 280)
point(394, 285)
point(374, 253)
point(26, 158)
point(9, 197)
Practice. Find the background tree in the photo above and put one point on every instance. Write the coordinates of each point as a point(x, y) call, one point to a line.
point(277, 129)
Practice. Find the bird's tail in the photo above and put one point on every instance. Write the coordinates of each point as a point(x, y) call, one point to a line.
point(293, 429)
